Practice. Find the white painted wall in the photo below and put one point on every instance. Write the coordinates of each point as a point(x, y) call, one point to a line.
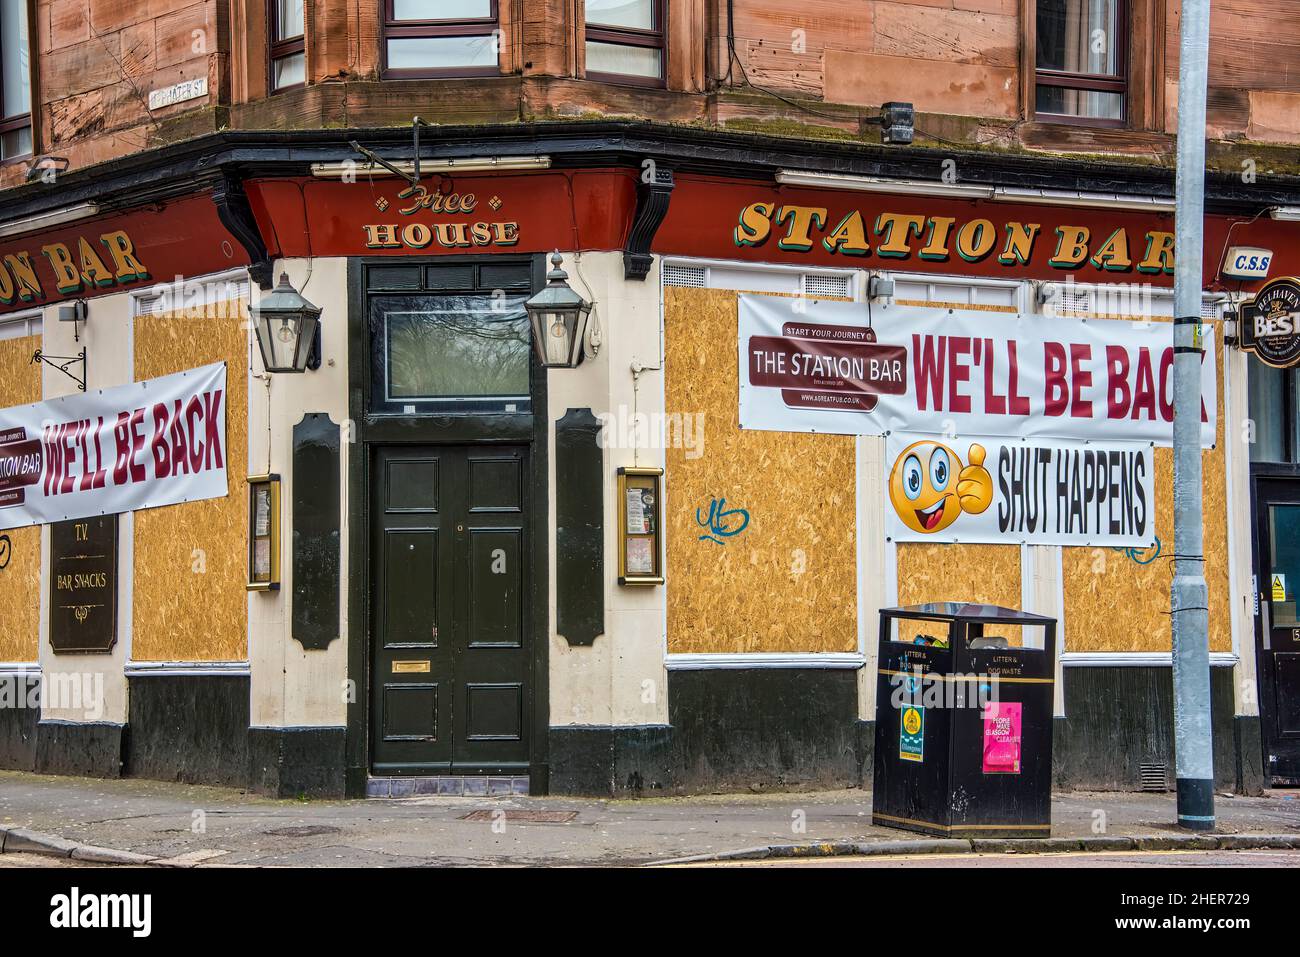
point(1236, 411)
point(293, 687)
point(1042, 592)
point(110, 362)
point(620, 679)
point(876, 590)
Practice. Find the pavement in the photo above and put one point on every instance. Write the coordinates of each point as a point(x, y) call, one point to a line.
point(1147, 860)
point(142, 822)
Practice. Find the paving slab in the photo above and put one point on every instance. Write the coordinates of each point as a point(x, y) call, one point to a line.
point(189, 824)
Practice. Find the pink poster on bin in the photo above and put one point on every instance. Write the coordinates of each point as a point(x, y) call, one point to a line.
point(1002, 737)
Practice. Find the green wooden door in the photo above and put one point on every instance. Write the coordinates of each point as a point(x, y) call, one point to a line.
point(451, 655)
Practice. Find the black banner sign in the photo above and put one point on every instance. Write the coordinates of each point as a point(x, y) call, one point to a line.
point(83, 585)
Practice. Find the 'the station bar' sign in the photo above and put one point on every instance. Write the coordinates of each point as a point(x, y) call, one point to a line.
point(905, 235)
point(107, 254)
point(90, 262)
point(715, 217)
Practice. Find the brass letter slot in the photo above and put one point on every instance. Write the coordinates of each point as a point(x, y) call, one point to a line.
point(411, 667)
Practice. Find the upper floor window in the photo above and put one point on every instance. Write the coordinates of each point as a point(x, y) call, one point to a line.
point(15, 81)
point(441, 38)
point(1080, 67)
point(288, 58)
point(625, 41)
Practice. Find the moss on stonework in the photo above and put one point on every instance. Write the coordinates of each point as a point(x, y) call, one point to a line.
point(786, 128)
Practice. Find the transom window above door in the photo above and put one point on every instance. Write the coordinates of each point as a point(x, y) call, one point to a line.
point(450, 338)
point(430, 38)
point(1081, 61)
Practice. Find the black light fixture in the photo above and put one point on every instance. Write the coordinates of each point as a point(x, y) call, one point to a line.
point(288, 329)
point(559, 318)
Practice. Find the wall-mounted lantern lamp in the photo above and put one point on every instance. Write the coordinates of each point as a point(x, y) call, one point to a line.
point(288, 329)
point(75, 313)
point(559, 318)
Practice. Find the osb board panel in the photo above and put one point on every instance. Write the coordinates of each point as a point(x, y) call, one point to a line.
point(1114, 602)
point(190, 602)
point(787, 583)
point(20, 579)
point(983, 574)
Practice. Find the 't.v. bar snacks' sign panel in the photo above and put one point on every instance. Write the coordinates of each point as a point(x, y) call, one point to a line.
point(833, 367)
point(158, 442)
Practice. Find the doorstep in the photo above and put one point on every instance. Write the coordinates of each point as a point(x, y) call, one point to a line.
point(452, 785)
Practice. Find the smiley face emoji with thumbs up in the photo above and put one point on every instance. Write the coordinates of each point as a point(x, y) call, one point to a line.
point(930, 487)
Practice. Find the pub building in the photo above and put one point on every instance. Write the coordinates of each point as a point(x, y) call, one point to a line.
point(525, 506)
point(434, 556)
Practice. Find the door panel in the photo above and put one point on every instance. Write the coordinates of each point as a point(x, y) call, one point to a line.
point(451, 656)
point(1286, 694)
point(411, 485)
point(488, 715)
point(496, 484)
point(495, 600)
point(1277, 505)
point(409, 596)
point(410, 712)
point(495, 712)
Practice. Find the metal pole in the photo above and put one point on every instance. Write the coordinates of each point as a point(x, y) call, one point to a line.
point(1189, 596)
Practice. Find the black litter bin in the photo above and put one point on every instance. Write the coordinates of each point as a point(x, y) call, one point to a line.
point(964, 721)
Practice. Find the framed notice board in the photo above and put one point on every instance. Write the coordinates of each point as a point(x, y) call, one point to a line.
point(263, 533)
point(640, 534)
point(83, 585)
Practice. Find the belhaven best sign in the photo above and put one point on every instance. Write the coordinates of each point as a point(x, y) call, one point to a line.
point(1270, 323)
point(837, 367)
point(158, 442)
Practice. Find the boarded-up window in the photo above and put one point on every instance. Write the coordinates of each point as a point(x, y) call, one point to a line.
point(787, 581)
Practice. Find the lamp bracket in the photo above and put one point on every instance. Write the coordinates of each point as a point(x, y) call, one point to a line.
point(62, 363)
point(592, 338)
point(380, 161)
point(413, 177)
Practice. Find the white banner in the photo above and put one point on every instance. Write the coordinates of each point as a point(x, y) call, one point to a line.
point(832, 367)
point(986, 489)
point(141, 445)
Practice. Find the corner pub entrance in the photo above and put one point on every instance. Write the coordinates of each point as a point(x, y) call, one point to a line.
point(450, 389)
